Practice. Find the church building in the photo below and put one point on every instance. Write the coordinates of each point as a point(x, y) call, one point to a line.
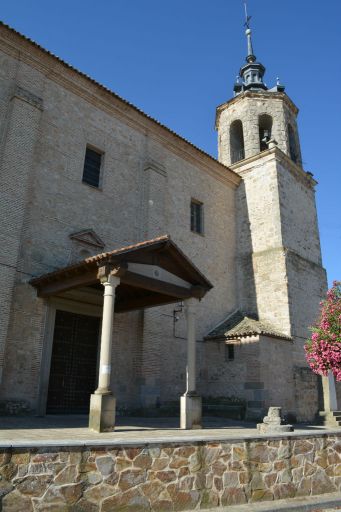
point(136, 269)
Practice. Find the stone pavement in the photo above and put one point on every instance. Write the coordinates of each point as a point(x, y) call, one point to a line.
point(56, 430)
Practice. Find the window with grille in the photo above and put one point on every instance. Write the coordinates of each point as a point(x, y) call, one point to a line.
point(92, 167)
point(197, 217)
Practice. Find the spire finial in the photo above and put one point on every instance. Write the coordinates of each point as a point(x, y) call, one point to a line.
point(250, 56)
point(247, 18)
point(252, 72)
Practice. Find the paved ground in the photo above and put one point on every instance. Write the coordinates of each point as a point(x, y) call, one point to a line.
point(59, 430)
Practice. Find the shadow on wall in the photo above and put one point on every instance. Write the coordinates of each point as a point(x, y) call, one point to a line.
point(245, 274)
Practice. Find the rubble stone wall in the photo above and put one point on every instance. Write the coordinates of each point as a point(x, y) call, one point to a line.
point(170, 476)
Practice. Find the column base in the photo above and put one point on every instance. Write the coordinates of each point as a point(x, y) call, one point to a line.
point(190, 412)
point(331, 419)
point(102, 413)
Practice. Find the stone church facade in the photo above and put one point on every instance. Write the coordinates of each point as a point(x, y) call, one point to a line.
point(247, 221)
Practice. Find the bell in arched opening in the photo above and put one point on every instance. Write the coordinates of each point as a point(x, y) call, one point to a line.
point(265, 129)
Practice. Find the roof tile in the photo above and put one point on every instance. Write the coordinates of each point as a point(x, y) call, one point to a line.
point(237, 325)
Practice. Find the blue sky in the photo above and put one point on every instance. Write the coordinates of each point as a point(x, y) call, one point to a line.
point(177, 59)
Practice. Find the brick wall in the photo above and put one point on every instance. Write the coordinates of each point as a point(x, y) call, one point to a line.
point(147, 182)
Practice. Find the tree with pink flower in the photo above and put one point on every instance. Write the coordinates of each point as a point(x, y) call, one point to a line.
point(323, 349)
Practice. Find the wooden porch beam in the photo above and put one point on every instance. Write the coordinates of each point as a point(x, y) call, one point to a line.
point(54, 287)
point(143, 302)
point(155, 285)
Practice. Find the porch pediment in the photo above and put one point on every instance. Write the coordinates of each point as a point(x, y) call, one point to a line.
point(152, 272)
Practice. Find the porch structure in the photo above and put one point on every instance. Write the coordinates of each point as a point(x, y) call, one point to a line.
point(147, 274)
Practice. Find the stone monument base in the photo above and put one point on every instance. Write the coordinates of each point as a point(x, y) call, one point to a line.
point(273, 423)
point(102, 413)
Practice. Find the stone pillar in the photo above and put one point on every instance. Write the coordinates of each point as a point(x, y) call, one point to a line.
point(102, 403)
point(331, 416)
point(190, 402)
point(329, 393)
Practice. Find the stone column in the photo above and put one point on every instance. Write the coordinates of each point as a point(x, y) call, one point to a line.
point(190, 402)
point(330, 414)
point(102, 403)
point(329, 393)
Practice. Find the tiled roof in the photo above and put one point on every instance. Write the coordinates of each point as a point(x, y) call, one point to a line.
point(90, 260)
point(237, 325)
point(93, 261)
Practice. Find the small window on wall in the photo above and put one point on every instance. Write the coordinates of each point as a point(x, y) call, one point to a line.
point(92, 167)
point(229, 352)
point(197, 217)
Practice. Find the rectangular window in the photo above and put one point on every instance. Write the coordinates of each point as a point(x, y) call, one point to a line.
point(229, 352)
point(197, 217)
point(92, 167)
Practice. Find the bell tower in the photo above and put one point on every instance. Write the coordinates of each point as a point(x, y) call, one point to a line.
point(256, 114)
point(279, 267)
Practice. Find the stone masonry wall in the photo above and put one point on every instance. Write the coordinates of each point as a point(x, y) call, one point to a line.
point(307, 281)
point(261, 257)
point(168, 476)
point(247, 108)
point(279, 247)
point(146, 187)
point(279, 263)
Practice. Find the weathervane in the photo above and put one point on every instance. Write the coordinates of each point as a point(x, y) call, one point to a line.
point(247, 18)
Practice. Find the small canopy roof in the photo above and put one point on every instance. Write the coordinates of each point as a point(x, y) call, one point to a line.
point(152, 273)
point(238, 325)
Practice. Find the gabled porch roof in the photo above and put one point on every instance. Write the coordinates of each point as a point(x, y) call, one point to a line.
point(153, 272)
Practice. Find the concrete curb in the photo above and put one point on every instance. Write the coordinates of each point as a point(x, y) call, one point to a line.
point(304, 504)
point(142, 439)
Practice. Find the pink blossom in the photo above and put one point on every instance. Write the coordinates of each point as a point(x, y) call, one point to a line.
point(323, 349)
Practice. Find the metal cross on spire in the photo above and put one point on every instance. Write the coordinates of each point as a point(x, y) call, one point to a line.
point(247, 18)
point(251, 74)
point(250, 56)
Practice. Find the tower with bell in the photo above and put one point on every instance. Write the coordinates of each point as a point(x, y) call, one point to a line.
point(279, 273)
point(256, 114)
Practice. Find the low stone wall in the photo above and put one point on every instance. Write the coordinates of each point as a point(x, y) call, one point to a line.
point(168, 476)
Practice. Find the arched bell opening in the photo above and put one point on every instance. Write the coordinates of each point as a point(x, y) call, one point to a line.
point(265, 129)
point(237, 141)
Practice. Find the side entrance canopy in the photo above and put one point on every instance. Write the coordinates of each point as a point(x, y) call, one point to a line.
point(150, 273)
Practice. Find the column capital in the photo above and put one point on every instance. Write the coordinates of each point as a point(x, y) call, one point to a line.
point(110, 280)
point(191, 304)
point(107, 273)
point(198, 291)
